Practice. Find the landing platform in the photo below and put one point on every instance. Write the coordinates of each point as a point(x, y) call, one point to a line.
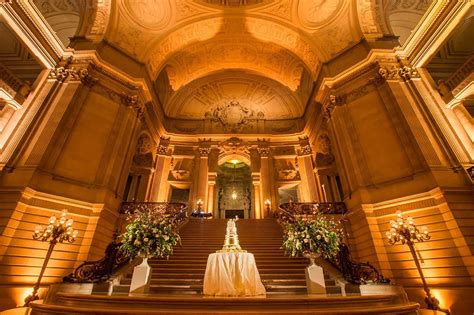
point(199, 304)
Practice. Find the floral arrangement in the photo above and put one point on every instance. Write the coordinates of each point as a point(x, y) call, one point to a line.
point(312, 234)
point(150, 234)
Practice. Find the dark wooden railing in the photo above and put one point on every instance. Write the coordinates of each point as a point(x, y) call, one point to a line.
point(114, 257)
point(352, 271)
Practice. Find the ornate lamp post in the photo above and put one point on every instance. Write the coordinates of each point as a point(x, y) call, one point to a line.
point(404, 230)
point(57, 231)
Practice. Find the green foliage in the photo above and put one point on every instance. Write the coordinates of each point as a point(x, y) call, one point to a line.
point(312, 234)
point(150, 235)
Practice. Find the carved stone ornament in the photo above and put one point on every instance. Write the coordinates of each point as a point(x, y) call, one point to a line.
point(305, 149)
point(232, 116)
point(286, 170)
point(162, 149)
point(180, 174)
point(404, 73)
point(61, 74)
point(233, 145)
point(263, 151)
point(204, 151)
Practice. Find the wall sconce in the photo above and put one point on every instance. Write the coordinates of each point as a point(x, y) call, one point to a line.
point(57, 231)
point(405, 231)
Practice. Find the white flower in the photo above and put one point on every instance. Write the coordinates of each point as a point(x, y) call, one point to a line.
point(137, 243)
point(146, 239)
point(318, 237)
point(306, 240)
point(166, 237)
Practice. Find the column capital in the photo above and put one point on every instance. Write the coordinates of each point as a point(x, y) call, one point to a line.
point(204, 151)
point(263, 151)
point(163, 146)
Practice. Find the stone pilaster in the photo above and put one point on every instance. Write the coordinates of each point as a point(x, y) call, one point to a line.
point(160, 187)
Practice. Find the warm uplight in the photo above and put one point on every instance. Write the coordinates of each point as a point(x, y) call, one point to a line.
point(234, 195)
point(234, 161)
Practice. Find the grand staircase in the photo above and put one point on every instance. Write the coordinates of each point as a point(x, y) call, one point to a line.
point(183, 273)
point(176, 281)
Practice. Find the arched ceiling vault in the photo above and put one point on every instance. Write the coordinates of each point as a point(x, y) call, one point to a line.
point(265, 54)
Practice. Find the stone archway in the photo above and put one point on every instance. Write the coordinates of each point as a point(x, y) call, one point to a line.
point(234, 195)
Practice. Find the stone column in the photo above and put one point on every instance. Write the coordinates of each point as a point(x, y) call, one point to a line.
point(308, 188)
point(160, 186)
point(210, 193)
point(203, 173)
point(258, 200)
point(265, 182)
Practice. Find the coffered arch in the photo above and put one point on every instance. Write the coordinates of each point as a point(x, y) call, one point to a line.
point(253, 29)
point(266, 59)
point(261, 94)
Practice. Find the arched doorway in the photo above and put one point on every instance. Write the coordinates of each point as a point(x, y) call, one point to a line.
point(234, 190)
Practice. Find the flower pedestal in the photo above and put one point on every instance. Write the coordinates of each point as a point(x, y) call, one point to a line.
point(315, 283)
point(141, 277)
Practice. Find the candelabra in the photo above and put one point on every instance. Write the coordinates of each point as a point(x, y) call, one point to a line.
point(199, 205)
point(405, 231)
point(57, 231)
point(268, 203)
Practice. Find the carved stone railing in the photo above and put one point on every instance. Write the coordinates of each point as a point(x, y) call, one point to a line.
point(115, 259)
point(352, 271)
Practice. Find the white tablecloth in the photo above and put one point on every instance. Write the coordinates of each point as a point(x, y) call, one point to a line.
point(232, 274)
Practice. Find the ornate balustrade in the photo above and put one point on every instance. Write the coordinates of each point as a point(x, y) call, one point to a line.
point(289, 212)
point(115, 259)
point(352, 271)
point(174, 210)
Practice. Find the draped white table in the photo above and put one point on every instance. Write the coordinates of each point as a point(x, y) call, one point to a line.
point(232, 274)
